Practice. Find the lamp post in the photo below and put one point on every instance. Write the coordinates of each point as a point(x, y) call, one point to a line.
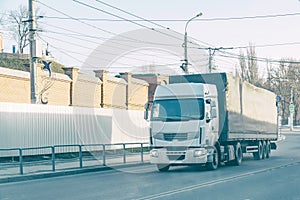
point(185, 64)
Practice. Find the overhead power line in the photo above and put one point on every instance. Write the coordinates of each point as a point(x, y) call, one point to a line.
point(182, 20)
point(106, 31)
point(131, 14)
point(128, 20)
point(259, 59)
point(80, 21)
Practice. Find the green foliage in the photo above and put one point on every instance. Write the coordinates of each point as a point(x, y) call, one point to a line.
point(17, 64)
point(57, 67)
point(23, 64)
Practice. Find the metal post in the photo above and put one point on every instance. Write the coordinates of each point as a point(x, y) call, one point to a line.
point(103, 155)
point(32, 45)
point(291, 112)
point(185, 54)
point(53, 158)
point(186, 62)
point(80, 156)
point(124, 154)
point(142, 153)
point(21, 161)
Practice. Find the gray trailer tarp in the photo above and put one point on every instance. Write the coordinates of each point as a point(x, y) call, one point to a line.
point(246, 112)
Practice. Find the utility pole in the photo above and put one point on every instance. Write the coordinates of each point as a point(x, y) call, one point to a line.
point(33, 54)
point(211, 53)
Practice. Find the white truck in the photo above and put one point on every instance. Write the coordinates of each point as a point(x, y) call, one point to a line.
point(206, 119)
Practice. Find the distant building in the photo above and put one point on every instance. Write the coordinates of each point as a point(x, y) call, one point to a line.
point(153, 80)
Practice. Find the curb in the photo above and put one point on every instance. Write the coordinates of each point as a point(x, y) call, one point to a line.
point(20, 178)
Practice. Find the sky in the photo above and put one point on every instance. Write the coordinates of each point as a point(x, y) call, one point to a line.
point(117, 43)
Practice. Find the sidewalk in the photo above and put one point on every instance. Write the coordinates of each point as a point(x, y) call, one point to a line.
point(10, 171)
point(286, 130)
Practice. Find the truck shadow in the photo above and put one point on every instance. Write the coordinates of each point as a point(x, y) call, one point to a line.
point(247, 159)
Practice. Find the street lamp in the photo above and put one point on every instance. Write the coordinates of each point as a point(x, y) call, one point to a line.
point(185, 64)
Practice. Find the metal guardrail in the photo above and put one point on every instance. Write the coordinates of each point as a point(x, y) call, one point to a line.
point(54, 147)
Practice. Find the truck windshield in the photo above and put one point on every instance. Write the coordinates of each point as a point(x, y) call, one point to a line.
point(178, 110)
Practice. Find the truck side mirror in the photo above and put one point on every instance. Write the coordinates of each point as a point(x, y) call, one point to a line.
point(211, 115)
point(146, 112)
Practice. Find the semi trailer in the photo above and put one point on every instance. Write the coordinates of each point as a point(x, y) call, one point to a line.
point(209, 119)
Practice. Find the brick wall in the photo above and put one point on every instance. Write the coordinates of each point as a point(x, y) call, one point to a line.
point(153, 80)
point(58, 92)
point(76, 89)
point(113, 90)
point(14, 86)
point(85, 90)
point(137, 92)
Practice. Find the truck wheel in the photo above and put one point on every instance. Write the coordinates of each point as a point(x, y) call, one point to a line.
point(215, 162)
point(163, 167)
point(264, 153)
point(238, 152)
point(258, 155)
point(268, 149)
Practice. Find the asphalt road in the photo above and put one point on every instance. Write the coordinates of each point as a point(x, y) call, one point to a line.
point(274, 178)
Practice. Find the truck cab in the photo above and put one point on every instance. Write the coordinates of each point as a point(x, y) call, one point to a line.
point(184, 125)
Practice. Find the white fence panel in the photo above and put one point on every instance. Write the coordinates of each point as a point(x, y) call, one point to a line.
point(27, 125)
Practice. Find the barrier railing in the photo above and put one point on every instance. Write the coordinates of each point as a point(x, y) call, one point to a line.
point(80, 152)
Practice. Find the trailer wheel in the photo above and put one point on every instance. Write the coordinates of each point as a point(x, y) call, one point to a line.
point(215, 161)
point(238, 152)
point(264, 153)
point(259, 154)
point(163, 167)
point(268, 149)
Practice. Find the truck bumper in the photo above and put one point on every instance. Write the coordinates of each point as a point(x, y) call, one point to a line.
point(190, 156)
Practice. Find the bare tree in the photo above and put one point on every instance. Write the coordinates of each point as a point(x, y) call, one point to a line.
point(249, 67)
point(19, 28)
point(243, 67)
point(284, 81)
point(252, 65)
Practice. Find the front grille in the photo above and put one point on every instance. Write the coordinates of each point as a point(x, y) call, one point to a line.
point(175, 136)
point(176, 155)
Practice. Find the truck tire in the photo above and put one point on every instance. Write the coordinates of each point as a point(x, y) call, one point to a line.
point(238, 152)
point(215, 162)
point(264, 144)
point(258, 155)
point(268, 149)
point(163, 167)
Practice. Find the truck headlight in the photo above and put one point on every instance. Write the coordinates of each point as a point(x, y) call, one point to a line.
point(198, 153)
point(154, 153)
